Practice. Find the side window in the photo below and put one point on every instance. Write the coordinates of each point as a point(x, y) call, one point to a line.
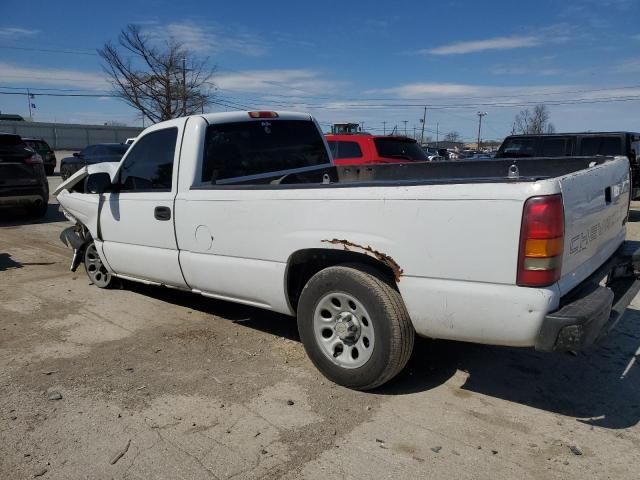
point(346, 150)
point(554, 146)
point(98, 150)
point(149, 164)
point(87, 151)
point(519, 147)
point(601, 146)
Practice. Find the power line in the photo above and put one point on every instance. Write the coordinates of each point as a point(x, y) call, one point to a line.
point(50, 50)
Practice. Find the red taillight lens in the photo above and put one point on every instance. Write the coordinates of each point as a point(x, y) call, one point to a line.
point(541, 241)
point(33, 159)
point(263, 114)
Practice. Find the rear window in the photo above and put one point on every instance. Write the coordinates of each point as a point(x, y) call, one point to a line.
point(11, 147)
point(243, 149)
point(400, 148)
point(6, 140)
point(601, 146)
point(344, 149)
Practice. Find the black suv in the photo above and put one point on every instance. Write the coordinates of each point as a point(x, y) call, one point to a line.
point(577, 145)
point(103, 152)
point(22, 177)
point(43, 149)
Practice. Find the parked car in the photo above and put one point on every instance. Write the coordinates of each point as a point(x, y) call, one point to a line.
point(356, 149)
point(43, 149)
point(248, 207)
point(22, 176)
point(103, 152)
point(577, 144)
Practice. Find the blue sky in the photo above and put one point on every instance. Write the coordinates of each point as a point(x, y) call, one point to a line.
point(348, 61)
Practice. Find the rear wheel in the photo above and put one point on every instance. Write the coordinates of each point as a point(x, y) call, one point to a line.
point(96, 271)
point(354, 326)
point(65, 173)
point(38, 209)
point(49, 169)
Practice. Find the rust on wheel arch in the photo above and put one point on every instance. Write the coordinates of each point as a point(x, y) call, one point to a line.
point(368, 250)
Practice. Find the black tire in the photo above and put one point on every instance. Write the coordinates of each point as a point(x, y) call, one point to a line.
point(64, 173)
point(49, 170)
point(38, 209)
point(394, 333)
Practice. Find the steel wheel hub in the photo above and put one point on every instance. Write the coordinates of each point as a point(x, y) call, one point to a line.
point(343, 330)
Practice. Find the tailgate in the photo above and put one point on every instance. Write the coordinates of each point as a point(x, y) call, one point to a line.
point(596, 202)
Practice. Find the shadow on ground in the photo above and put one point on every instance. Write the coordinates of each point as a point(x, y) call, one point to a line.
point(598, 387)
point(8, 263)
point(15, 216)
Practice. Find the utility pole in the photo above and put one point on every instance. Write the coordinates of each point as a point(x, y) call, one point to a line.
point(362, 126)
point(29, 103)
point(184, 86)
point(437, 135)
point(480, 115)
point(424, 121)
point(384, 127)
point(405, 126)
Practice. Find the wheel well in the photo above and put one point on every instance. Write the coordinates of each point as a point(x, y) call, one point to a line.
point(304, 264)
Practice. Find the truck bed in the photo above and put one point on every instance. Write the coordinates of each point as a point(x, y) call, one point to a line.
point(419, 173)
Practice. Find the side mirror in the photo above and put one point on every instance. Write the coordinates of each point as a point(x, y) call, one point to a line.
point(76, 154)
point(98, 183)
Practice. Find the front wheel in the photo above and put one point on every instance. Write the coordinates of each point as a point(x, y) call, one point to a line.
point(96, 271)
point(354, 326)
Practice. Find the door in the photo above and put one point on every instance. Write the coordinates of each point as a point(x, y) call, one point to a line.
point(136, 220)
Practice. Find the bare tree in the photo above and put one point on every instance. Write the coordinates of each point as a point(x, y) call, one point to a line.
point(453, 137)
point(534, 121)
point(161, 79)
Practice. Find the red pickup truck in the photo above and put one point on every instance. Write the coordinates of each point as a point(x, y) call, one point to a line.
point(357, 149)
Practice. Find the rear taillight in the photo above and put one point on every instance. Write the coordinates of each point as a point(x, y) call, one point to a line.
point(263, 114)
point(33, 159)
point(541, 241)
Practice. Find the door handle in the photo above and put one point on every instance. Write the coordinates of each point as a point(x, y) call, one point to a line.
point(162, 213)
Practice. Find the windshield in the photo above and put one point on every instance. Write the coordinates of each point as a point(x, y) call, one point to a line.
point(243, 149)
point(400, 148)
point(116, 149)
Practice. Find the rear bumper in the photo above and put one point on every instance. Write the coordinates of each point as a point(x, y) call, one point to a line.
point(590, 311)
point(22, 195)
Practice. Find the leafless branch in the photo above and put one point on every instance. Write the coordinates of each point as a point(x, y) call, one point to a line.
point(161, 79)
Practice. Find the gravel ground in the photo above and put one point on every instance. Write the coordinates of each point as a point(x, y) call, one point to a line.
point(145, 382)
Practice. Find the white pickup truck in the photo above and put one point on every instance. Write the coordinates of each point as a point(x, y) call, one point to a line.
point(248, 207)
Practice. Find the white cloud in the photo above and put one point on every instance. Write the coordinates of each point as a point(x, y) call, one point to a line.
point(458, 93)
point(292, 82)
point(53, 76)
point(15, 32)
point(497, 43)
point(213, 38)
